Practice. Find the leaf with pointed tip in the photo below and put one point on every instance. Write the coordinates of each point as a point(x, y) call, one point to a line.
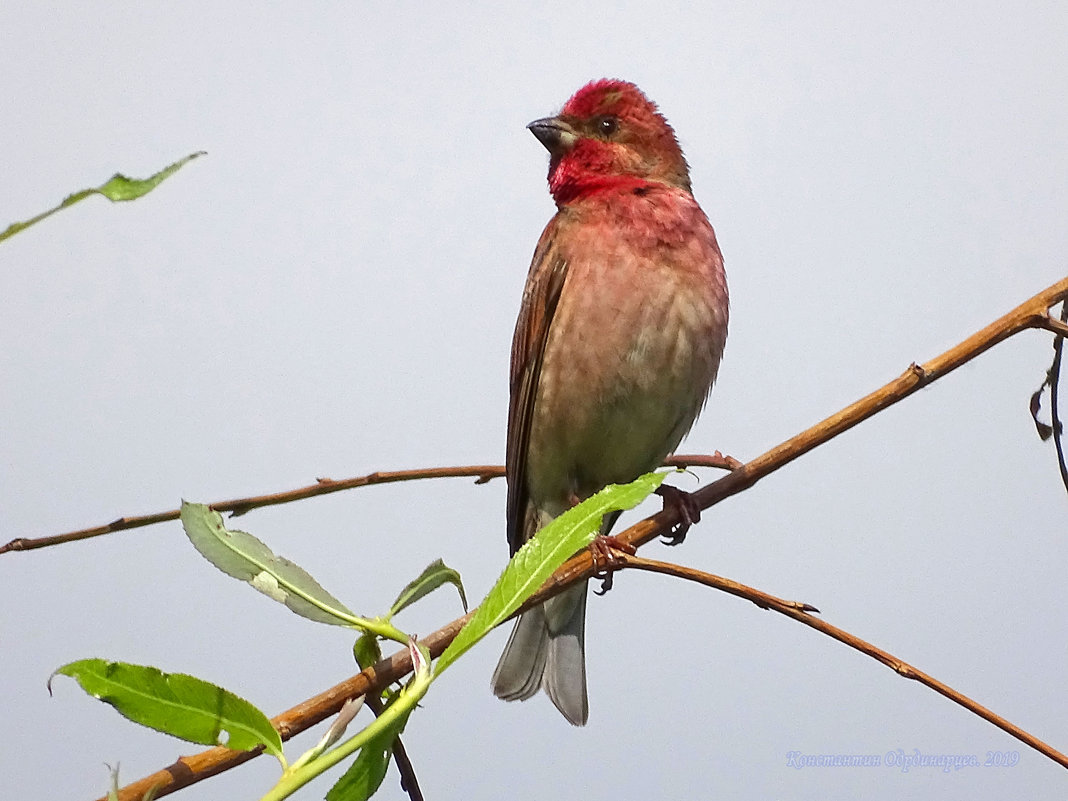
point(244, 557)
point(177, 704)
point(118, 189)
point(542, 555)
point(436, 574)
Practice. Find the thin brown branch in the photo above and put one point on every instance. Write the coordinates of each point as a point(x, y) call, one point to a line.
point(1029, 314)
point(717, 460)
point(1054, 400)
point(239, 506)
point(409, 783)
point(323, 486)
point(802, 613)
point(1058, 327)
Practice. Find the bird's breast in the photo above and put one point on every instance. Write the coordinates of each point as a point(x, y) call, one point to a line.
point(632, 352)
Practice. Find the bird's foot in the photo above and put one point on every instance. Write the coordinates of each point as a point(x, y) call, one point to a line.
point(685, 507)
point(605, 550)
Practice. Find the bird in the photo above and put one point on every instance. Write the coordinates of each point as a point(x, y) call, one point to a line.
point(618, 341)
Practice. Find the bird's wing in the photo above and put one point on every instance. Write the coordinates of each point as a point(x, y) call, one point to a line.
point(548, 271)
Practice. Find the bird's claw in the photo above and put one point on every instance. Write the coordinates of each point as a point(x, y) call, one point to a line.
point(685, 507)
point(605, 550)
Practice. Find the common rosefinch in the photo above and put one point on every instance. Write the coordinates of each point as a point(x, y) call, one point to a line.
point(618, 341)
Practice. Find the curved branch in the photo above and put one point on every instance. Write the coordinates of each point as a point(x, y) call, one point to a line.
point(802, 614)
point(1030, 314)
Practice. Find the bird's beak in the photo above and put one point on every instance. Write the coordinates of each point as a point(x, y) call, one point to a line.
point(555, 134)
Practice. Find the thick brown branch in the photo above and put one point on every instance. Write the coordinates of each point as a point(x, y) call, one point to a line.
point(802, 614)
point(1030, 314)
point(323, 486)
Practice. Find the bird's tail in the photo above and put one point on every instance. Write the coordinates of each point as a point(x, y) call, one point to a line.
point(547, 650)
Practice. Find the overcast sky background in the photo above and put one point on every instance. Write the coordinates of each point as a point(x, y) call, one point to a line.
point(332, 291)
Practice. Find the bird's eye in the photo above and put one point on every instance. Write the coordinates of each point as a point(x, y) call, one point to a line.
point(607, 125)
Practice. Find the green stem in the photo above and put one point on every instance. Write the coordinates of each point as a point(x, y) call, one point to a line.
point(380, 628)
point(303, 771)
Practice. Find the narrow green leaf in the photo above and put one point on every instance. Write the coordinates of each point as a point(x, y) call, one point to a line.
point(244, 557)
point(436, 574)
point(367, 771)
point(177, 704)
point(119, 188)
point(542, 555)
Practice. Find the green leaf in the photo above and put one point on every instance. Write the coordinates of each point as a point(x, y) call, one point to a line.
point(366, 651)
point(176, 704)
point(374, 739)
point(244, 557)
point(367, 771)
point(436, 574)
point(118, 189)
point(542, 555)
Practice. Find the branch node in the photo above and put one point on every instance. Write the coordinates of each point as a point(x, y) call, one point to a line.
point(715, 459)
point(907, 671)
point(1051, 323)
point(919, 373)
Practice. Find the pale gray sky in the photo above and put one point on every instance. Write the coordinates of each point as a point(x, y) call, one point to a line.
point(332, 291)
